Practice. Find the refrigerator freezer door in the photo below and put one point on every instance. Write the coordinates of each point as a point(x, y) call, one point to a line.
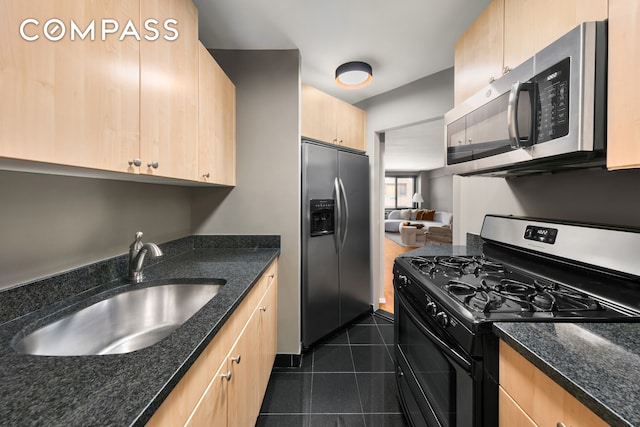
point(354, 261)
point(320, 280)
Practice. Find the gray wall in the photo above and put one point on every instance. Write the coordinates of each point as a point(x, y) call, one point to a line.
point(266, 199)
point(595, 196)
point(440, 186)
point(415, 102)
point(50, 224)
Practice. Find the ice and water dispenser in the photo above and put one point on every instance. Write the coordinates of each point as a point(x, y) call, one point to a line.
point(322, 217)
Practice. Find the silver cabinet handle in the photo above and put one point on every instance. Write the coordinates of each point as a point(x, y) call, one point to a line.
point(153, 164)
point(272, 275)
point(135, 162)
point(236, 359)
point(227, 376)
point(263, 308)
point(206, 175)
point(492, 79)
point(561, 424)
point(506, 69)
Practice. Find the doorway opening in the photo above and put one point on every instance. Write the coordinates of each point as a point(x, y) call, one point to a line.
point(411, 150)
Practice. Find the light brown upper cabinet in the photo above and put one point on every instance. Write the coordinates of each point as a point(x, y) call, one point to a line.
point(531, 25)
point(70, 102)
point(508, 32)
point(478, 53)
point(623, 105)
point(169, 93)
point(217, 123)
point(351, 126)
point(120, 100)
point(332, 120)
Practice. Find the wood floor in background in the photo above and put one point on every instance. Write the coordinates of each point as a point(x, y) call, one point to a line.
point(391, 251)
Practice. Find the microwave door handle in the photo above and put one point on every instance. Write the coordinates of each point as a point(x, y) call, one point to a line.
point(512, 115)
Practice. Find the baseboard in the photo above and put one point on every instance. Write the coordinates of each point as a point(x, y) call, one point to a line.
point(384, 314)
point(288, 361)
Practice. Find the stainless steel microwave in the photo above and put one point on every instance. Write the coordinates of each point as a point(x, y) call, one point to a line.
point(547, 114)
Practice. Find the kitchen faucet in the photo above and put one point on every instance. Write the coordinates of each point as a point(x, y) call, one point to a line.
point(137, 252)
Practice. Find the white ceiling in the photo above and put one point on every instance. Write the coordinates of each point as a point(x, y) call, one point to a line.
point(403, 40)
point(418, 147)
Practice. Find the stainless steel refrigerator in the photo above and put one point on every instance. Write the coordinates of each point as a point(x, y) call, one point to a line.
point(336, 269)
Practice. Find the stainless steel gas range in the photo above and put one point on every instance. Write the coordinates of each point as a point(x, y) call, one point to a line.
point(530, 270)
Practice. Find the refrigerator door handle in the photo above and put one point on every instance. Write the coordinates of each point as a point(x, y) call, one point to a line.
point(338, 221)
point(346, 215)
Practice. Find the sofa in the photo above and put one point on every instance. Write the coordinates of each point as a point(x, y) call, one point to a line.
point(439, 235)
point(415, 216)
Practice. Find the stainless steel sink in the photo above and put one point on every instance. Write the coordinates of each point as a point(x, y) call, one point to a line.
point(122, 323)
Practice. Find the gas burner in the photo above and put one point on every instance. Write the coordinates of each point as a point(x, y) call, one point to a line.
point(487, 266)
point(445, 266)
point(459, 288)
point(544, 301)
point(453, 261)
point(514, 288)
point(485, 301)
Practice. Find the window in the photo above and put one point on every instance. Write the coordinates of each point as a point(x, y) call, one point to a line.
point(398, 193)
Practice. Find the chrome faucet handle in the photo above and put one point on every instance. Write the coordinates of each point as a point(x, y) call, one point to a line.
point(137, 252)
point(135, 247)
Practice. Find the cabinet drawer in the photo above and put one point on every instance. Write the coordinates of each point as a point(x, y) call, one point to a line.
point(510, 414)
point(541, 398)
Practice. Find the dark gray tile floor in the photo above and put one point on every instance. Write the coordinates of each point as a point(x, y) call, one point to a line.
point(345, 381)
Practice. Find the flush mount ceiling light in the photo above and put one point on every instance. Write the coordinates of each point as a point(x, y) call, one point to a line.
point(354, 75)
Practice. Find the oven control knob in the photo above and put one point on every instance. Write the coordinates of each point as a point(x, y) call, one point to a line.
point(402, 280)
point(442, 319)
point(432, 309)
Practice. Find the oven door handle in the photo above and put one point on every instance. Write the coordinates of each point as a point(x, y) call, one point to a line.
point(452, 354)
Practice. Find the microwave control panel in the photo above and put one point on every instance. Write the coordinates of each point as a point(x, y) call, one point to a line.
point(552, 98)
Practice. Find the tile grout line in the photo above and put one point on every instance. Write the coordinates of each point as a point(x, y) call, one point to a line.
point(313, 367)
point(353, 362)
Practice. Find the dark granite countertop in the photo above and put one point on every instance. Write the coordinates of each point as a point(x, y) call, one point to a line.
point(444, 250)
point(123, 389)
point(598, 363)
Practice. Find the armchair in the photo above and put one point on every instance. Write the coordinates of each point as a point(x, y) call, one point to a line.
point(439, 235)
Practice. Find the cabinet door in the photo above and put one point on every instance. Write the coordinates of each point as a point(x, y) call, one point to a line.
point(623, 107)
point(318, 115)
point(169, 92)
point(217, 122)
point(211, 410)
point(71, 102)
point(530, 25)
point(267, 313)
point(244, 365)
point(351, 126)
point(478, 53)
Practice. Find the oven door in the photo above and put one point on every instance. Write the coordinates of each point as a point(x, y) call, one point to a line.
point(435, 382)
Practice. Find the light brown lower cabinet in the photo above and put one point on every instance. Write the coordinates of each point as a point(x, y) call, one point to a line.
point(226, 385)
point(509, 413)
point(528, 397)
